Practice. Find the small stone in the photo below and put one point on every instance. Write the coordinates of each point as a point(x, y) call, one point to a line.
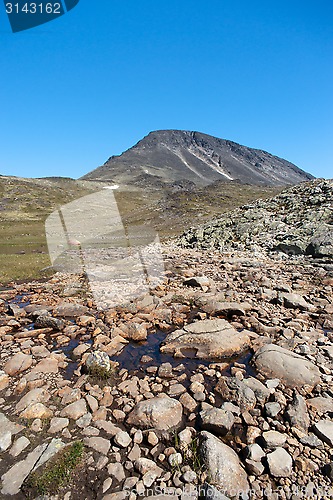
point(190, 477)
point(216, 420)
point(20, 444)
point(274, 439)
point(57, 424)
point(324, 430)
point(122, 439)
point(75, 410)
point(255, 452)
point(107, 484)
point(254, 468)
point(152, 438)
point(272, 409)
point(18, 364)
point(84, 421)
point(280, 463)
point(98, 444)
point(175, 459)
point(5, 440)
point(116, 470)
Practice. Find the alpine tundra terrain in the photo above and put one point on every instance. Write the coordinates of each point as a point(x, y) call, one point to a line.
point(217, 383)
point(169, 180)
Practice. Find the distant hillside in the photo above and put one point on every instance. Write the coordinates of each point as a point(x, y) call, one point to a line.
point(172, 156)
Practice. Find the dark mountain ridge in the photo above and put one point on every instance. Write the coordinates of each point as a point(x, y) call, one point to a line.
point(171, 156)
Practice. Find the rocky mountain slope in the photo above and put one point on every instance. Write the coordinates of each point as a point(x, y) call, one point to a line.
point(297, 221)
point(171, 156)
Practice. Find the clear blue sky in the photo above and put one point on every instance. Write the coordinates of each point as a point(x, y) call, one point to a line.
point(91, 84)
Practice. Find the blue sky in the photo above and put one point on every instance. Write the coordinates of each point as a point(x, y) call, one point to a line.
point(91, 84)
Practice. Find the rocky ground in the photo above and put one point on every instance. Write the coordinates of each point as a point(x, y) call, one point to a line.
point(217, 384)
point(299, 221)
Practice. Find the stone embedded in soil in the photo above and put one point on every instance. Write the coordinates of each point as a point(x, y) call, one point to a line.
point(57, 424)
point(324, 430)
point(159, 413)
point(18, 364)
point(19, 445)
point(279, 463)
point(75, 410)
point(12, 480)
point(36, 410)
point(37, 395)
point(235, 391)
point(216, 420)
point(224, 469)
point(99, 444)
point(273, 361)
point(206, 339)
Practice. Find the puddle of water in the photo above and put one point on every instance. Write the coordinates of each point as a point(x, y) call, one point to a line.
point(21, 300)
point(67, 349)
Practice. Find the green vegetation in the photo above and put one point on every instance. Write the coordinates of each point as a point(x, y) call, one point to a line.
point(101, 376)
point(190, 453)
point(55, 473)
point(24, 206)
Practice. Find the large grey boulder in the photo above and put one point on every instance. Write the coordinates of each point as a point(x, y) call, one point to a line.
point(159, 413)
point(223, 466)
point(273, 361)
point(322, 244)
point(206, 339)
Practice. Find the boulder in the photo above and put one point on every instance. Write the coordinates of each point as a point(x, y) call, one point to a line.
point(235, 391)
point(279, 463)
point(159, 413)
point(206, 339)
point(223, 466)
point(273, 361)
point(216, 420)
point(18, 364)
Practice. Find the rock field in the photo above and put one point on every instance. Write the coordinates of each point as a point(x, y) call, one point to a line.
point(297, 221)
point(219, 383)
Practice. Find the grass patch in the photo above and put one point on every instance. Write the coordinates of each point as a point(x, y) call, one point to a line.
point(101, 376)
point(56, 473)
point(190, 453)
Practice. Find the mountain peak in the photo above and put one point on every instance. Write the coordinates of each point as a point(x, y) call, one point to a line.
point(168, 156)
